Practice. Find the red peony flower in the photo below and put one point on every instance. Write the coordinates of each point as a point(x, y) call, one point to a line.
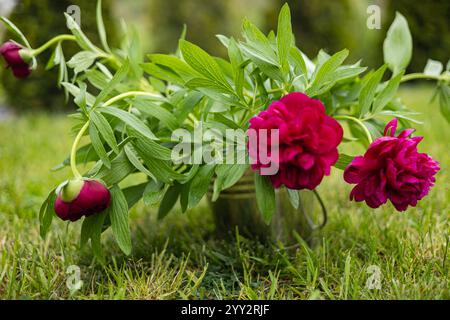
point(16, 58)
point(392, 169)
point(80, 198)
point(308, 141)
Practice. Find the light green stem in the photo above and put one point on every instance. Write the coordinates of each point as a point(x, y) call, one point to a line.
point(130, 94)
point(73, 155)
point(417, 76)
point(51, 42)
point(359, 122)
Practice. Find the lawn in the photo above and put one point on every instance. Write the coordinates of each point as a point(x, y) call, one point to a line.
point(179, 258)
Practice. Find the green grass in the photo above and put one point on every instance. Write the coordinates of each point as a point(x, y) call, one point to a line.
point(180, 258)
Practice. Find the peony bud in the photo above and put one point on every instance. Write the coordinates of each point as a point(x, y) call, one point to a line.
point(80, 198)
point(18, 58)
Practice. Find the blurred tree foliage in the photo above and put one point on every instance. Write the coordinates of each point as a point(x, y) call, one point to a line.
point(204, 20)
point(332, 26)
point(40, 21)
point(429, 22)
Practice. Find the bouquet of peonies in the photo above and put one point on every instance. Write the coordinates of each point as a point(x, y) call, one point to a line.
point(193, 124)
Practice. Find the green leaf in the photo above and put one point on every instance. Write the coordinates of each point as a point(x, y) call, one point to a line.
point(80, 100)
point(113, 83)
point(265, 197)
point(15, 30)
point(82, 40)
point(130, 120)
point(433, 68)
point(325, 71)
point(203, 63)
point(285, 38)
point(118, 212)
point(200, 184)
point(398, 45)
point(98, 145)
point(101, 27)
point(46, 213)
point(169, 201)
point(105, 130)
point(92, 228)
point(387, 94)
point(294, 198)
point(299, 61)
point(344, 161)
point(75, 91)
point(134, 159)
point(154, 193)
point(82, 61)
point(444, 100)
point(134, 194)
point(368, 92)
point(151, 109)
point(120, 169)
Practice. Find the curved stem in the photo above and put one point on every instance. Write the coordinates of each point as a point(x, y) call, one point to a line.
point(357, 121)
point(324, 209)
point(128, 95)
point(51, 42)
point(73, 154)
point(416, 76)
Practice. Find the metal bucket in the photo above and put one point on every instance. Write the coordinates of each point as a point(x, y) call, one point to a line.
point(237, 207)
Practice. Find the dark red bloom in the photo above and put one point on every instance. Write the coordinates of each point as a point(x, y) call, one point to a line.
point(14, 54)
point(308, 140)
point(393, 169)
point(82, 198)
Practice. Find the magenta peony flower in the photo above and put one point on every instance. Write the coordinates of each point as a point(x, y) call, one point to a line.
point(80, 198)
point(392, 169)
point(308, 141)
point(16, 58)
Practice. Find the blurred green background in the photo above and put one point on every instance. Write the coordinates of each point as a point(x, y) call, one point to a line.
point(328, 24)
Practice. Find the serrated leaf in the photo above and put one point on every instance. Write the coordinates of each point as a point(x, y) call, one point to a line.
point(398, 45)
point(265, 197)
point(118, 212)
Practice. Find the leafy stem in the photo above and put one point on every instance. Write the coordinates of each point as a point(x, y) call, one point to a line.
point(358, 122)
